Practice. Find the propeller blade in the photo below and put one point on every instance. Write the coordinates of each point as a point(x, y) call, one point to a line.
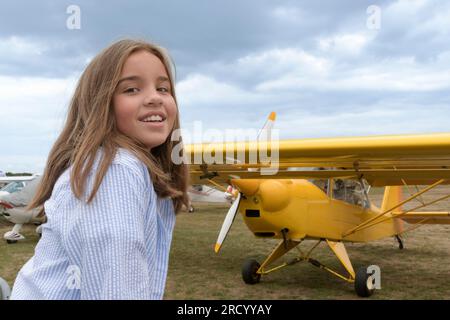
point(266, 132)
point(227, 222)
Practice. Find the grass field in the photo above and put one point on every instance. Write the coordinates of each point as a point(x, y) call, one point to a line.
point(420, 271)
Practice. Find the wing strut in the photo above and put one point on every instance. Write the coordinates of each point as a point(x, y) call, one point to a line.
point(398, 215)
point(420, 199)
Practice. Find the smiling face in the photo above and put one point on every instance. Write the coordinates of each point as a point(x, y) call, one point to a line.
point(144, 107)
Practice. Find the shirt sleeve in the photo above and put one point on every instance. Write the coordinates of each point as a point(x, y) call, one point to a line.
point(113, 250)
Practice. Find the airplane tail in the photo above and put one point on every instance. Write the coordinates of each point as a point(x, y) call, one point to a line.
point(393, 195)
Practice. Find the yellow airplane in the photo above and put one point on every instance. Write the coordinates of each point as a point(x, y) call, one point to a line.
point(320, 192)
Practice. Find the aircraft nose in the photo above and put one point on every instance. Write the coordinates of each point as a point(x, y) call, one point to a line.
point(275, 195)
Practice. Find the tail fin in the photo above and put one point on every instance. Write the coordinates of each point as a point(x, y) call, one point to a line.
point(393, 195)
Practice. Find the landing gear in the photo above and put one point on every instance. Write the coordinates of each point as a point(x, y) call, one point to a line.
point(249, 271)
point(400, 242)
point(364, 283)
point(39, 231)
point(14, 235)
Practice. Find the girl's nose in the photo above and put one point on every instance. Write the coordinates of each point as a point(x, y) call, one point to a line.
point(152, 98)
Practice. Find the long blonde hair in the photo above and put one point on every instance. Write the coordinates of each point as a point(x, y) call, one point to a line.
point(91, 124)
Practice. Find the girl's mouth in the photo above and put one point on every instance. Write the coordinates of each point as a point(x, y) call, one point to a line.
point(154, 119)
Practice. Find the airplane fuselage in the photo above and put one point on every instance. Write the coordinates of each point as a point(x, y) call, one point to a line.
point(298, 209)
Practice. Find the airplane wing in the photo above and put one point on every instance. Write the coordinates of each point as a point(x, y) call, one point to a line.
point(16, 179)
point(381, 160)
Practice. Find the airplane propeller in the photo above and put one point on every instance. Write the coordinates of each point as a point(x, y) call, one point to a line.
point(263, 135)
point(227, 222)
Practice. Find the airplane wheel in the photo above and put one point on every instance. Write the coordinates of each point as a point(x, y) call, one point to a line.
point(249, 274)
point(364, 285)
point(11, 241)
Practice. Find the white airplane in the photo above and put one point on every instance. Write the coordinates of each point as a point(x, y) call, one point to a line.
point(12, 187)
point(203, 193)
point(5, 290)
point(12, 207)
point(8, 179)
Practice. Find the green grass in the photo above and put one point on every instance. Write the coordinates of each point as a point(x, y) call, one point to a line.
point(420, 271)
point(13, 256)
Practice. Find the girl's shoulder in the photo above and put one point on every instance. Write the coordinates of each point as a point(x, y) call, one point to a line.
point(124, 157)
point(129, 162)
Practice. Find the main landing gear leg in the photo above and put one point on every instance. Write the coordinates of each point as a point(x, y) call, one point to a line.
point(252, 270)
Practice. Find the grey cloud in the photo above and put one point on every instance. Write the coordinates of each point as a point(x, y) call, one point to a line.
point(194, 31)
point(208, 37)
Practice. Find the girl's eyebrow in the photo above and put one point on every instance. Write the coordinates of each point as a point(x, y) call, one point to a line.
point(137, 78)
point(163, 79)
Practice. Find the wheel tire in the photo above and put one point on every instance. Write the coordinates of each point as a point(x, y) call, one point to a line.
point(363, 286)
point(249, 269)
point(11, 241)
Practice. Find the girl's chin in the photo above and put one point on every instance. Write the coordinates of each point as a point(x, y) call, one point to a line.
point(154, 142)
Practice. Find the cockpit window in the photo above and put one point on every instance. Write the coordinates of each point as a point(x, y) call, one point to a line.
point(349, 191)
point(13, 187)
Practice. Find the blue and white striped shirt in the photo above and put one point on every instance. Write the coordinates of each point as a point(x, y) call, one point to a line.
point(116, 247)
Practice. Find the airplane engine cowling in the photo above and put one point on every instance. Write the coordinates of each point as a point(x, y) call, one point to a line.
point(274, 194)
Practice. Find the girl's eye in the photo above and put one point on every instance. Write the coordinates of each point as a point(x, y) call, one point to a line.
point(131, 90)
point(163, 89)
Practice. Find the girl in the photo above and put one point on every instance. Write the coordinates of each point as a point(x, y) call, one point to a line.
point(110, 190)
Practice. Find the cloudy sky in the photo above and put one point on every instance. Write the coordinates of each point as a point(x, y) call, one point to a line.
point(328, 68)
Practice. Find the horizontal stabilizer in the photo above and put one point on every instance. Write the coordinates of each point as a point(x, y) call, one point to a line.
point(427, 217)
